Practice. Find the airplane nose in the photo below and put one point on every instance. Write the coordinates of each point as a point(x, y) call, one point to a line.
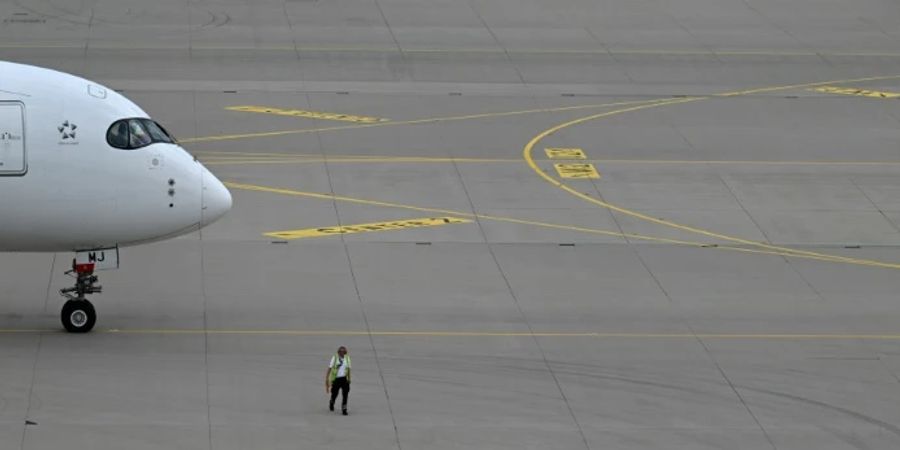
point(216, 199)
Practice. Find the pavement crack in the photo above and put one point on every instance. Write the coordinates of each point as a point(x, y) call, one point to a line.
point(27, 418)
point(735, 390)
point(537, 343)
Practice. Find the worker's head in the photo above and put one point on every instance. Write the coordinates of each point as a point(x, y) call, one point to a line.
point(342, 350)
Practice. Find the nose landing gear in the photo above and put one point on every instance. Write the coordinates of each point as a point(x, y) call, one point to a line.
point(78, 314)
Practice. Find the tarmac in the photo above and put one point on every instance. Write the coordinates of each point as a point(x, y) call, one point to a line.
point(541, 224)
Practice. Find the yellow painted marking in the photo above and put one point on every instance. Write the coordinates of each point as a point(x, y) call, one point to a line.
point(565, 153)
point(227, 162)
point(555, 226)
point(367, 227)
point(406, 122)
point(528, 150)
point(398, 160)
point(222, 157)
point(580, 171)
point(485, 334)
point(756, 247)
point(278, 155)
point(307, 114)
point(804, 86)
point(587, 334)
point(747, 162)
point(455, 50)
point(856, 91)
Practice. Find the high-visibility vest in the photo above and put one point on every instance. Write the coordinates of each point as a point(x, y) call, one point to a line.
point(335, 364)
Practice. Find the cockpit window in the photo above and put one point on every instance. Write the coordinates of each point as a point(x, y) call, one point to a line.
point(157, 133)
point(117, 136)
point(137, 135)
point(130, 134)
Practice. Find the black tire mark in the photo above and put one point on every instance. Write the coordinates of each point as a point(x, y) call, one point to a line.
point(698, 392)
point(66, 16)
point(859, 416)
point(520, 365)
point(212, 19)
point(216, 20)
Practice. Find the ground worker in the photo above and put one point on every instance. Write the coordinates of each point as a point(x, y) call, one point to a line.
point(337, 378)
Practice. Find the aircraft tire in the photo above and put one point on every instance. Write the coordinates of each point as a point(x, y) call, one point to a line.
point(78, 316)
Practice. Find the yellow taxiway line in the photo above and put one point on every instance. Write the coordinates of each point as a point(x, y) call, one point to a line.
point(598, 50)
point(227, 137)
point(484, 334)
point(528, 151)
point(755, 247)
point(290, 192)
point(236, 158)
point(329, 160)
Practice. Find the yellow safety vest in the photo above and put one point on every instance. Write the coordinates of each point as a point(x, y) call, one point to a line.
point(334, 367)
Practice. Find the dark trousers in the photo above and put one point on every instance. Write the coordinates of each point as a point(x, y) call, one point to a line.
point(344, 386)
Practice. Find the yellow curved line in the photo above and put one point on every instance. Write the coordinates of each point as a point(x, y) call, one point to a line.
point(785, 251)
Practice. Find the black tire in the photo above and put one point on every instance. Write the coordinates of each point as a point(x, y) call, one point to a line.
point(78, 316)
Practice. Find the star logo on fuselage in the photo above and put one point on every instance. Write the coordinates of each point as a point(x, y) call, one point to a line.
point(67, 130)
point(67, 133)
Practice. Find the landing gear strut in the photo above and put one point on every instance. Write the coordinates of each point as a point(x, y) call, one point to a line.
point(78, 314)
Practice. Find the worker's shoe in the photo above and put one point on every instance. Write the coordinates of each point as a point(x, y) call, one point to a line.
point(344, 411)
point(331, 406)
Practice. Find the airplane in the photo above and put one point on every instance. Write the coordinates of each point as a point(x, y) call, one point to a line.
point(85, 170)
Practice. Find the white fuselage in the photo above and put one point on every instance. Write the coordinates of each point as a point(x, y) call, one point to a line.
point(63, 187)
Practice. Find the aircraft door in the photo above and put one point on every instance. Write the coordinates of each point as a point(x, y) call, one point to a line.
point(12, 139)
